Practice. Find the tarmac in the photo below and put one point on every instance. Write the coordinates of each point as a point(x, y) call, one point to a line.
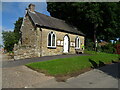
point(16, 75)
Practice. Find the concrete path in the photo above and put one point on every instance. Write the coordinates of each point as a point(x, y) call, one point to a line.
point(22, 77)
point(105, 77)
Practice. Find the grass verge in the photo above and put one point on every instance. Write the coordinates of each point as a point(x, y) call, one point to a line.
point(65, 68)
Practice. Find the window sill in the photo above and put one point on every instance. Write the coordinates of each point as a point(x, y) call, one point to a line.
point(77, 48)
point(51, 47)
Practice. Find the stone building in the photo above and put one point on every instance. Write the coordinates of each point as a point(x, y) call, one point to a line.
point(44, 35)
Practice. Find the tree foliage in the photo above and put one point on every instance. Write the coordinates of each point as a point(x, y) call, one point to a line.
point(9, 40)
point(1, 46)
point(12, 37)
point(96, 20)
point(17, 27)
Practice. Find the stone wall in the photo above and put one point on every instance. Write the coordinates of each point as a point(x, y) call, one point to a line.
point(28, 46)
point(59, 36)
point(34, 41)
point(28, 32)
point(24, 52)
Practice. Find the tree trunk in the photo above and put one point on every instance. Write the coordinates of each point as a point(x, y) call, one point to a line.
point(95, 38)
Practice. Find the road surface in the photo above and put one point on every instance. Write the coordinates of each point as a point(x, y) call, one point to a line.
point(19, 76)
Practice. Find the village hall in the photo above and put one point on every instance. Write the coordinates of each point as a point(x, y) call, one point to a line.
point(43, 35)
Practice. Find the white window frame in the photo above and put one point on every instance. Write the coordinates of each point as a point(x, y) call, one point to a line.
point(76, 42)
point(51, 33)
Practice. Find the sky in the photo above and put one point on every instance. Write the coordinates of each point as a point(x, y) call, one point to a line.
point(11, 11)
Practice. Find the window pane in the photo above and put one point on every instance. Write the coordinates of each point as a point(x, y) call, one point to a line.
point(75, 42)
point(53, 40)
point(49, 40)
point(78, 43)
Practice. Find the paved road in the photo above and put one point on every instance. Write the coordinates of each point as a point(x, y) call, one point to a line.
point(20, 76)
point(12, 63)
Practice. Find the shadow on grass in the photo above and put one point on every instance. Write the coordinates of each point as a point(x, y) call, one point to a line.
point(101, 64)
point(114, 61)
point(112, 69)
point(94, 64)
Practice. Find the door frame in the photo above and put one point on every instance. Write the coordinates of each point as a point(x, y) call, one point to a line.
point(68, 43)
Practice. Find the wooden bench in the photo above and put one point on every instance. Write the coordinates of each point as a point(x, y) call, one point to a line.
point(78, 51)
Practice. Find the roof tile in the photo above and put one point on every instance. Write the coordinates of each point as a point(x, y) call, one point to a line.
point(51, 22)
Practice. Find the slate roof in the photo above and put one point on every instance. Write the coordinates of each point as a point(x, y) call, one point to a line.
point(51, 22)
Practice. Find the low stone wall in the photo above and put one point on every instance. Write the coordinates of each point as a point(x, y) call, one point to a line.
point(24, 52)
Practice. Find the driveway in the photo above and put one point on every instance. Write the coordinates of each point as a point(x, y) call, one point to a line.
point(19, 76)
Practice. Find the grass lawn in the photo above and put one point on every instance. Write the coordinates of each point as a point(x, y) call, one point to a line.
point(67, 66)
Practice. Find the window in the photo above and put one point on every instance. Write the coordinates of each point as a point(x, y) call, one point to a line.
point(51, 40)
point(77, 42)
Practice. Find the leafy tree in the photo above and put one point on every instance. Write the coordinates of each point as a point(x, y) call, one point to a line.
point(111, 21)
point(17, 27)
point(8, 40)
point(97, 20)
point(1, 46)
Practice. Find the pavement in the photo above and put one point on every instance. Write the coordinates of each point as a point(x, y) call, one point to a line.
point(20, 76)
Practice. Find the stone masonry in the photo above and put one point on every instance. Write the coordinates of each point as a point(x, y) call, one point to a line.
point(33, 42)
point(59, 36)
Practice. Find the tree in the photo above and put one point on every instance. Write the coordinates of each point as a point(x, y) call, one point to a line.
point(17, 27)
point(8, 40)
point(1, 46)
point(111, 22)
point(96, 20)
point(93, 14)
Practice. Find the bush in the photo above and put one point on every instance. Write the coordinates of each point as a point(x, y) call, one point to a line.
point(89, 45)
point(109, 48)
point(118, 57)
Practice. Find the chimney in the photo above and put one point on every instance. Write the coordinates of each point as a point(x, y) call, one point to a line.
point(31, 7)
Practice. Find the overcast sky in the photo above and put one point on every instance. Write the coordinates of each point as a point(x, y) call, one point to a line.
point(11, 11)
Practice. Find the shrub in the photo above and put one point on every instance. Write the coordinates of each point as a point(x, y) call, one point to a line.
point(89, 45)
point(109, 48)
